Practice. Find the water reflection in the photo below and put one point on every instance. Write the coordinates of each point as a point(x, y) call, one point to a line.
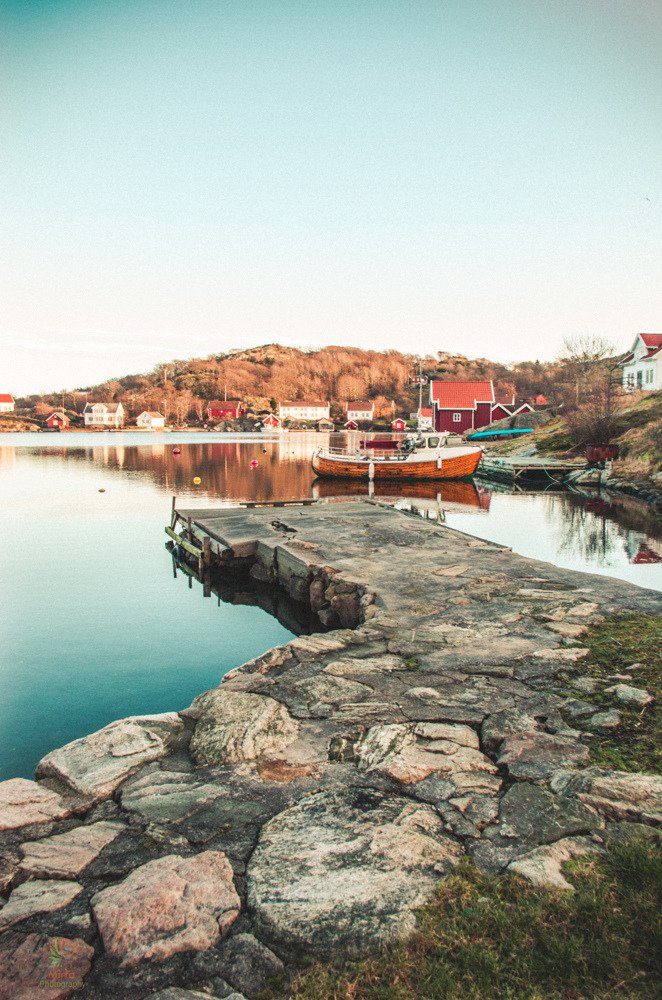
point(596, 532)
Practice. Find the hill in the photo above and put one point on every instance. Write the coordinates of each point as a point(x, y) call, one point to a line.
point(261, 376)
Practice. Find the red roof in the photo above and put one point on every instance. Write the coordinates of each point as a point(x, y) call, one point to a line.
point(6, 397)
point(653, 342)
point(461, 395)
point(226, 404)
point(361, 404)
point(425, 411)
point(303, 402)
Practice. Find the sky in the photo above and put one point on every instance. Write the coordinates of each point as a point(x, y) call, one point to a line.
point(185, 177)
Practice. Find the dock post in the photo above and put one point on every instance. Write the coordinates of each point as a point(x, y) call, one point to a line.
point(371, 471)
point(206, 551)
point(173, 513)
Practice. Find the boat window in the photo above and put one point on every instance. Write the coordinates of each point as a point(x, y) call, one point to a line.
point(433, 442)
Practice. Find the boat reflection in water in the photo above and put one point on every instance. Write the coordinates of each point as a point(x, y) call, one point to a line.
point(430, 500)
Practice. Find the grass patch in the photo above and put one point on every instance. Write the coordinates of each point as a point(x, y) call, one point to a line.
point(615, 644)
point(499, 938)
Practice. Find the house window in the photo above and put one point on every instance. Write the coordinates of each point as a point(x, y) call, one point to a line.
point(630, 380)
point(649, 377)
point(457, 417)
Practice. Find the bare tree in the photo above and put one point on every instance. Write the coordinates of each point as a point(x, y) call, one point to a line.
point(589, 367)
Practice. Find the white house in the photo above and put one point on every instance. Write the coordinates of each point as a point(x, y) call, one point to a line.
point(103, 415)
point(425, 418)
point(642, 367)
point(6, 402)
point(302, 409)
point(150, 420)
point(362, 411)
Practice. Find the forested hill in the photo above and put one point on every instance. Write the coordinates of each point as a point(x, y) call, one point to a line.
point(262, 376)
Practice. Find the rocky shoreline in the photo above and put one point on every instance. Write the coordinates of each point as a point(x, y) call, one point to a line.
point(311, 802)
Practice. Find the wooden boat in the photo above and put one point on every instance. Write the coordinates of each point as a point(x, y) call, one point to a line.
point(414, 459)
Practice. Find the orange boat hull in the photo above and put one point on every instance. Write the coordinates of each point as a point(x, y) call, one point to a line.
point(459, 467)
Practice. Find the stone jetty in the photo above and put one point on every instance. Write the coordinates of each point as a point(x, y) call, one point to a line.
point(312, 801)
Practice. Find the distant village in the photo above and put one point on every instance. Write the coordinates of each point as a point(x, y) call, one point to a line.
point(454, 407)
point(451, 405)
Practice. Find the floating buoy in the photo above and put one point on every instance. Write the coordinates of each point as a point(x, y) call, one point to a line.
point(176, 451)
point(264, 451)
point(254, 464)
point(197, 480)
point(101, 489)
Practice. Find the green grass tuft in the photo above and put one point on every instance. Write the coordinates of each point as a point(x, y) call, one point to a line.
point(616, 643)
point(499, 938)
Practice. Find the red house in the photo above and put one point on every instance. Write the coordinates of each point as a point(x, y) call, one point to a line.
point(351, 425)
point(462, 406)
point(398, 424)
point(228, 409)
point(57, 420)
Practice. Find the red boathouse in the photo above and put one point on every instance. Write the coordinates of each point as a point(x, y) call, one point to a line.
point(462, 406)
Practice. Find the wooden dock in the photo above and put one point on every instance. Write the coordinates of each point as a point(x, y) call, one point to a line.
point(531, 470)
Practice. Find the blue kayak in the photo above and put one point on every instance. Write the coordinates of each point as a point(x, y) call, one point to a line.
point(488, 435)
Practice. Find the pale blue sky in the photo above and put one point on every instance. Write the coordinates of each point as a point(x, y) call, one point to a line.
point(187, 176)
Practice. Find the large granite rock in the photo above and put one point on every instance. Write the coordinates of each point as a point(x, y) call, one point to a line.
point(66, 855)
point(618, 795)
point(26, 803)
point(235, 726)
point(37, 967)
point(410, 753)
point(31, 898)
point(95, 765)
point(166, 906)
point(345, 869)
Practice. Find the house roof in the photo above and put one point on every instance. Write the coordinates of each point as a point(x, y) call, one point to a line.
point(58, 413)
point(6, 397)
point(152, 413)
point(304, 402)
point(111, 407)
point(651, 341)
point(461, 395)
point(224, 404)
point(361, 404)
point(425, 411)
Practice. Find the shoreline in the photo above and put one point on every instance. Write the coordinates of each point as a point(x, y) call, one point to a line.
point(426, 727)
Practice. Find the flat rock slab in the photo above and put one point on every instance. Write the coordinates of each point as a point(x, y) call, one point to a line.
point(544, 865)
point(536, 756)
point(24, 803)
point(37, 967)
point(66, 855)
point(248, 965)
point(169, 905)
point(31, 898)
point(410, 753)
point(235, 726)
point(345, 869)
point(617, 795)
point(166, 796)
point(95, 765)
point(531, 814)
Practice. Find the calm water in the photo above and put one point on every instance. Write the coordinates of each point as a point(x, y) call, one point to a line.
point(94, 626)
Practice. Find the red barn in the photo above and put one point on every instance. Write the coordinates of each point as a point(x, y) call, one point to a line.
point(228, 409)
point(57, 420)
point(398, 424)
point(462, 406)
